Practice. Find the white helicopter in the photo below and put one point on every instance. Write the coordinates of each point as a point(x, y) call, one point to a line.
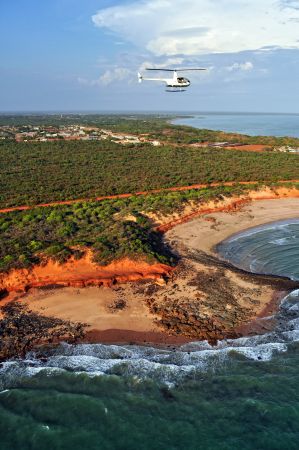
point(174, 84)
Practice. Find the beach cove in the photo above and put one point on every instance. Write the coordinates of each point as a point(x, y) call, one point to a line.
point(200, 288)
point(178, 385)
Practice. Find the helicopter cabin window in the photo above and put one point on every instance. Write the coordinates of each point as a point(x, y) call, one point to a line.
point(181, 80)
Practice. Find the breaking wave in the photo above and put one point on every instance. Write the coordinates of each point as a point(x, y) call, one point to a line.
point(165, 365)
point(170, 365)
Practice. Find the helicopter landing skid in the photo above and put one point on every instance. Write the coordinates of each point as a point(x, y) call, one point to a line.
point(175, 90)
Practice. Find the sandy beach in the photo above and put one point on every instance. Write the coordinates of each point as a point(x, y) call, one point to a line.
point(202, 299)
point(203, 233)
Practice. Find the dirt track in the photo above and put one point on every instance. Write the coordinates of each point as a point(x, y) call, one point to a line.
point(119, 196)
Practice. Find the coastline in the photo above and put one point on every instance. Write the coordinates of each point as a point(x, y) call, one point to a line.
point(206, 231)
point(210, 121)
point(163, 313)
point(229, 205)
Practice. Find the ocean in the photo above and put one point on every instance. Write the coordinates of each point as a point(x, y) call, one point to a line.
point(250, 124)
point(242, 394)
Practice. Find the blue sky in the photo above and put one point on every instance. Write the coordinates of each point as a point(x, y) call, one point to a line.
point(75, 55)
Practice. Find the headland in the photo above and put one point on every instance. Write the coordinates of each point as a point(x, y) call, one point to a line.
point(201, 298)
point(88, 255)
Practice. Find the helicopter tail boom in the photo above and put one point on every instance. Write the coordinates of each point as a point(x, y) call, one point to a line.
point(142, 78)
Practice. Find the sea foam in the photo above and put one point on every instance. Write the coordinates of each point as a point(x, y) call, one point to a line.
point(164, 364)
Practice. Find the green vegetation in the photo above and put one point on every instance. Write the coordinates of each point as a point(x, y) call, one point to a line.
point(112, 229)
point(31, 237)
point(32, 173)
point(141, 123)
point(189, 135)
point(41, 172)
point(156, 126)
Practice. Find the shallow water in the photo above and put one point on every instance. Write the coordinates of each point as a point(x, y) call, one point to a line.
point(242, 394)
point(250, 124)
point(268, 249)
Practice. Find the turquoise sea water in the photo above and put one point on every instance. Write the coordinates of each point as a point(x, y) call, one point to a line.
point(250, 124)
point(242, 394)
point(268, 249)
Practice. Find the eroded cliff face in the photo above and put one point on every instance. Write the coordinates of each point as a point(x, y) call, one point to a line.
point(204, 297)
point(84, 272)
point(227, 204)
point(81, 273)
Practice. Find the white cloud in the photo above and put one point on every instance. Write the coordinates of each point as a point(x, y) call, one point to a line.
point(169, 62)
point(292, 4)
point(86, 82)
point(244, 67)
point(189, 27)
point(117, 74)
point(108, 77)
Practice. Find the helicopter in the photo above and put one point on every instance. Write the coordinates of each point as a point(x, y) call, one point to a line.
point(174, 84)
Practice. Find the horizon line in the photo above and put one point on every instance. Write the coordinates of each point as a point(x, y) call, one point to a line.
point(115, 111)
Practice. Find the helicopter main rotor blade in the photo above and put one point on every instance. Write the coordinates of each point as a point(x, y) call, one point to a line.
point(164, 70)
point(177, 70)
point(187, 70)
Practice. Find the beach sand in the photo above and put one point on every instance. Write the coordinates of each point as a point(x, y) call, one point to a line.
point(202, 299)
point(101, 308)
point(205, 232)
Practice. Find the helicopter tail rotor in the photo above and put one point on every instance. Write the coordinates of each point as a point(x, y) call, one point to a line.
point(140, 77)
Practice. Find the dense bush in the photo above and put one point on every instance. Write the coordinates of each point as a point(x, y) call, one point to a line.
point(31, 173)
point(112, 228)
point(35, 236)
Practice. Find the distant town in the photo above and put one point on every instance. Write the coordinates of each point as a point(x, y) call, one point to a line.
point(30, 133)
point(46, 133)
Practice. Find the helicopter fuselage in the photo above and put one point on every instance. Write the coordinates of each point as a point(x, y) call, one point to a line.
point(178, 82)
point(174, 84)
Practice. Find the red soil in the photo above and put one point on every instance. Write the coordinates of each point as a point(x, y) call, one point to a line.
point(114, 336)
point(84, 272)
point(249, 147)
point(234, 206)
point(266, 320)
point(118, 196)
point(242, 147)
point(230, 205)
point(81, 273)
